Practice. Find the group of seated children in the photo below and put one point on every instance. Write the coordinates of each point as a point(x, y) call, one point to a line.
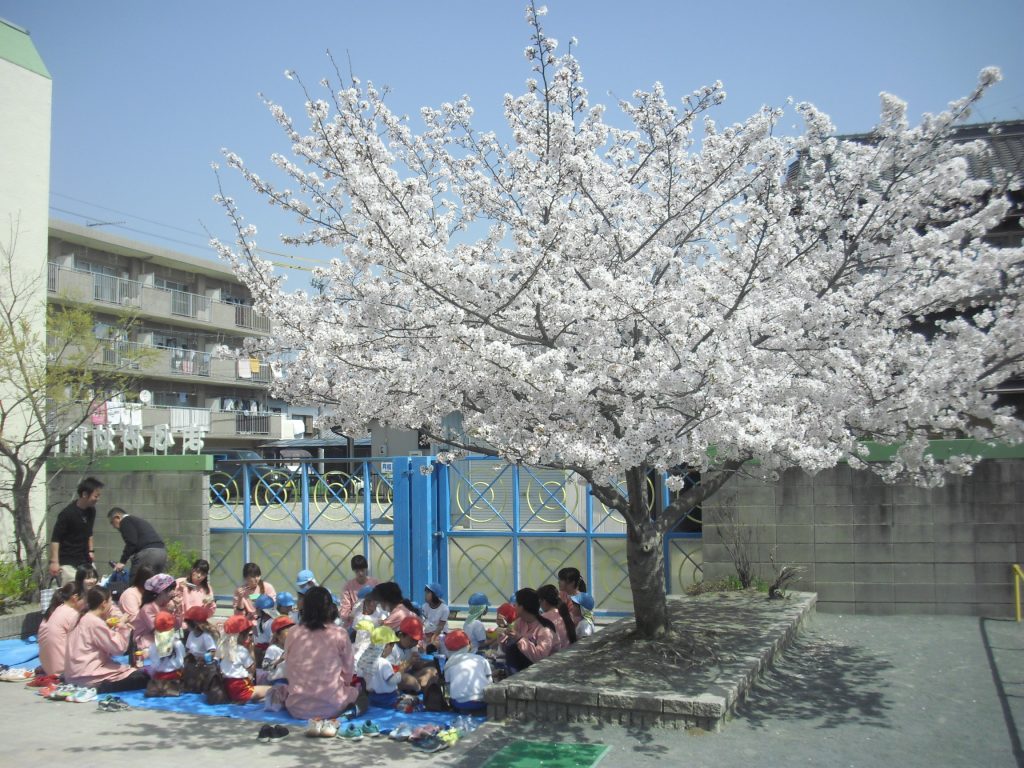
point(376, 637)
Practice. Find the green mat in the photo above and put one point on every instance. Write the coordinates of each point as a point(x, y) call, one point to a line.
point(534, 754)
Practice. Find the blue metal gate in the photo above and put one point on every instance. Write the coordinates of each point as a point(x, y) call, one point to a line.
point(477, 525)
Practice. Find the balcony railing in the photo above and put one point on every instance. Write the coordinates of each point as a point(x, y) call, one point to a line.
point(189, 362)
point(120, 291)
point(122, 354)
point(247, 317)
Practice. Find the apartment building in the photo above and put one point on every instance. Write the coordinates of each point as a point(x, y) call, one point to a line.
point(186, 309)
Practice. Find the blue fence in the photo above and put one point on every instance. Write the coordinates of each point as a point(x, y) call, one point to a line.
point(476, 525)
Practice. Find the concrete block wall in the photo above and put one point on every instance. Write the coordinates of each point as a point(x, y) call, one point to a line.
point(175, 501)
point(867, 547)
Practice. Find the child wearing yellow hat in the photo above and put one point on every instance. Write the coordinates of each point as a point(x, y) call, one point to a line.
point(382, 679)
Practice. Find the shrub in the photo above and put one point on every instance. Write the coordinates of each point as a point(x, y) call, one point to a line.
point(16, 585)
point(179, 559)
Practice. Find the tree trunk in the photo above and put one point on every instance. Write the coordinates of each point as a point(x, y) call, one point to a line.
point(645, 559)
point(646, 562)
point(25, 531)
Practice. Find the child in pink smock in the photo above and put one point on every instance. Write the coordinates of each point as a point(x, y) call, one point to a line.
point(253, 587)
point(350, 592)
point(160, 594)
point(92, 644)
point(60, 617)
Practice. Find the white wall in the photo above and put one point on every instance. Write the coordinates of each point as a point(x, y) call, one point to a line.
point(24, 199)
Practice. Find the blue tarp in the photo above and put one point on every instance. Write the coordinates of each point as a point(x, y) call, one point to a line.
point(25, 653)
point(195, 704)
point(19, 653)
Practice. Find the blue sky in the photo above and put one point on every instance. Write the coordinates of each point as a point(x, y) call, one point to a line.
point(145, 94)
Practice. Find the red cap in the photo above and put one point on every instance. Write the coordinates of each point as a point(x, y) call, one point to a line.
point(508, 611)
point(453, 641)
point(236, 624)
point(412, 627)
point(197, 613)
point(281, 622)
point(163, 622)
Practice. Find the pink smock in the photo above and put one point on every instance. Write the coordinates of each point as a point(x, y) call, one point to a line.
point(53, 638)
point(320, 668)
point(91, 648)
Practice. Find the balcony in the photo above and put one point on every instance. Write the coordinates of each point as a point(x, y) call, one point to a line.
point(216, 424)
point(95, 288)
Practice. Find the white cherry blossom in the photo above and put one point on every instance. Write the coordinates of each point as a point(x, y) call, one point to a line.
point(658, 290)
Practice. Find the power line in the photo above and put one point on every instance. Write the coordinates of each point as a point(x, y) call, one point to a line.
point(202, 236)
point(183, 242)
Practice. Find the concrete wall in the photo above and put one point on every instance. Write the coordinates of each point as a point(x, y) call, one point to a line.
point(160, 489)
point(867, 547)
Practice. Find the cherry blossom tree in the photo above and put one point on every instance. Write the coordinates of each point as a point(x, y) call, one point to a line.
point(616, 298)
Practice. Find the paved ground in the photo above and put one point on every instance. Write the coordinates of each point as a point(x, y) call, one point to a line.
point(855, 691)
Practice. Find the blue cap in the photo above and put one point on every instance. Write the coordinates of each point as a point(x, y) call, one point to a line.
point(364, 591)
point(584, 600)
point(285, 600)
point(479, 598)
point(263, 602)
point(436, 589)
point(305, 577)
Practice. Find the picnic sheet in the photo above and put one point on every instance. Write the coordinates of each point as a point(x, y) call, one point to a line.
point(25, 653)
point(195, 704)
point(19, 653)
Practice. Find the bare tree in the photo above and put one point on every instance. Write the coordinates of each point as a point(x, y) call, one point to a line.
point(53, 379)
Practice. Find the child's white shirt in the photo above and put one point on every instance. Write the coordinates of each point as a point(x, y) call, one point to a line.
point(433, 618)
point(199, 643)
point(263, 631)
point(467, 674)
point(477, 633)
point(376, 617)
point(273, 662)
point(172, 662)
point(384, 679)
point(240, 668)
point(400, 655)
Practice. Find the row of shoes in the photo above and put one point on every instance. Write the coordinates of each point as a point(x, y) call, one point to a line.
point(271, 733)
point(111, 704)
point(73, 693)
point(329, 729)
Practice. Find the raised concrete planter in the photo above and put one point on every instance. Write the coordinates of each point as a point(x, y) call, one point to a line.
point(610, 677)
point(22, 623)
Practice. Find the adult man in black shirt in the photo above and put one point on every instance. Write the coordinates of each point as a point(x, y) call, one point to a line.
point(142, 544)
point(71, 540)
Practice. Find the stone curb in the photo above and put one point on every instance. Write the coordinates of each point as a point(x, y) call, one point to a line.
point(600, 680)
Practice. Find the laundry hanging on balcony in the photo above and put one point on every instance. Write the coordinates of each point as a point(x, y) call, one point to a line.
point(254, 365)
point(243, 370)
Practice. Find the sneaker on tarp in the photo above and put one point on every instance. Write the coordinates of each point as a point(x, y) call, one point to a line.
point(314, 727)
point(329, 729)
point(401, 732)
point(351, 732)
point(371, 729)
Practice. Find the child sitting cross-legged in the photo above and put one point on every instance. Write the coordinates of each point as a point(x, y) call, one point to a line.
point(166, 658)
point(417, 673)
point(466, 673)
point(382, 678)
point(236, 662)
